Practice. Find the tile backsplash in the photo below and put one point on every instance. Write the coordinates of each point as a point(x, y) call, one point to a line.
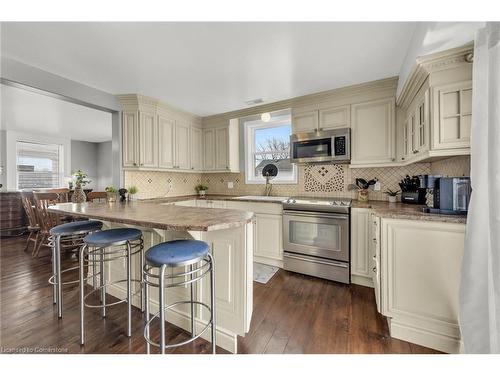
point(322, 180)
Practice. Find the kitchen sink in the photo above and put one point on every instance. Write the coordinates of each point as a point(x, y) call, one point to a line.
point(262, 198)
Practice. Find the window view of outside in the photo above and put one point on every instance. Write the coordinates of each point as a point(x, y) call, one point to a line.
point(38, 165)
point(272, 146)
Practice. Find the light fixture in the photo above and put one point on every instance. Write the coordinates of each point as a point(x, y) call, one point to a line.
point(266, 117)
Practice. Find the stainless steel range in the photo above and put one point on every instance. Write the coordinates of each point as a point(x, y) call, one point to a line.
point(316, 237)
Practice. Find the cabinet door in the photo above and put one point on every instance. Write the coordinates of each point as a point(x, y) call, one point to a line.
point(208, 149)
point(360, 242)
point(222, 148)
point(182, 145)
point(334, 118)
point(130, 140)
point(148, 140)
point(196, 149)
point(305, 121)
point(166, 137)
point(372, 131)
point(452, 115)
point(422, 119)
point(268, 236)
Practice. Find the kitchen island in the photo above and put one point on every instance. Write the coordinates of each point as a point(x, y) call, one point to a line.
point(229, 234)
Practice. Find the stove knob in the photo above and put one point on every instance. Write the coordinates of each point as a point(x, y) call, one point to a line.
point(288, 201)
point(332, 203)
point(294, 201)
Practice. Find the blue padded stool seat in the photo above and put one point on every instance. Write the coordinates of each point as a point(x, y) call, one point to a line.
point(76, 227)
point(177, 253)
point(117, 236)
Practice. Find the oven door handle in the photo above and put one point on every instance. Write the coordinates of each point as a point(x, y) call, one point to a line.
point(327, 263)
point(316, 214)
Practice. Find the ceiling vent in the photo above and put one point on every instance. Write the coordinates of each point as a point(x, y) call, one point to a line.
point(254, 101)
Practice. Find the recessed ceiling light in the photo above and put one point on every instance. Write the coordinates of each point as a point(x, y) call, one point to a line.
point(266, 117)
point(254, 101)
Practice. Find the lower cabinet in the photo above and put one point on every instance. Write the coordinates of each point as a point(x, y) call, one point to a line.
point(420, 277)
point(361, 263)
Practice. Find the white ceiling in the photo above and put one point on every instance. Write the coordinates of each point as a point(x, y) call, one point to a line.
point(209, 68)
point(30, 112)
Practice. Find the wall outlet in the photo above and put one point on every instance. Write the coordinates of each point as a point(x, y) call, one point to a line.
point(377, 187)
point(230, 184)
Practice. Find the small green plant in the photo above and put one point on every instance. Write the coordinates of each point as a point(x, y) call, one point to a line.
point(80, 178)
point(110, 189)
point(201, 187)
point(133, 190)
point(392, 193)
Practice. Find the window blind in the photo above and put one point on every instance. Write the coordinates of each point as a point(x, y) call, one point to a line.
point(38, 165)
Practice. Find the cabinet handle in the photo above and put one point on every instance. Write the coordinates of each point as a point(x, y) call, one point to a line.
point(375, 240)
point(135, 164)
point(192, 167)
point(374, 269)
point(393, 159)
point(402, 158)
point(415, 151)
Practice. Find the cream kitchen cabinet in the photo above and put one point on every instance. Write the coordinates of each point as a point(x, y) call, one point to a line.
point(452, 115)
point(303, 122)
point(140, 148)
point(166, 135)
point(323, 119)
point(221, 148)
point(361, 258)
point(268, 240)
point(130, 147)
point(420, 277)
point(209, 203)
point(375, 258)
point(373, 132)
point(182, 145)
point(196, 148)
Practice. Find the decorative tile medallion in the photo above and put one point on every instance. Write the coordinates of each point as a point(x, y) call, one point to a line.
point(323, 178)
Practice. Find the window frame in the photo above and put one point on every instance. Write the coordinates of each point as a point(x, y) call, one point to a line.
point(249, 150)
point(61, 162)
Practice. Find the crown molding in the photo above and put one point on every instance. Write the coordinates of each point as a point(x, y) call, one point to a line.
point(428, 64)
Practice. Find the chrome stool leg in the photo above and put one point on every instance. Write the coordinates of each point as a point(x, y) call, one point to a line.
point(82, 293)
point(102, 278)
point(146, 309)
point(161, 301)
point(129, 290)
point(193, 333)
point(54, 273)
point(58, 270)
point(212, 301)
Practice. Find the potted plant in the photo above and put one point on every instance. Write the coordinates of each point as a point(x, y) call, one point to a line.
point(132, 191)
point(392, 195)
point(111, 193)
point(201, 189)
point(80, 179)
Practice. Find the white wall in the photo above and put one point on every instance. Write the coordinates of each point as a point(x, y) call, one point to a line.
point(431, 37)
point(84, 157)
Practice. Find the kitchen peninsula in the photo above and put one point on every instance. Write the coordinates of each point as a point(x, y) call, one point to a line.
point(230, 236)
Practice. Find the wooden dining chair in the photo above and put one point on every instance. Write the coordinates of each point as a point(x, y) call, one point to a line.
point(46, 219)
point(63, 193)
point(99, 196)
point(33, 226)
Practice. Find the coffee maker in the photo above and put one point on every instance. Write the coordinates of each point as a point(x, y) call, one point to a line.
point(451, 195)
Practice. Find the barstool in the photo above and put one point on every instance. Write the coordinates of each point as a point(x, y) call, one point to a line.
point(194, 256)
point(126, 242)
point(69, 235)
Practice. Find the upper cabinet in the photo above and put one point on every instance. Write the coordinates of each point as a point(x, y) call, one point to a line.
point(373, 132)
point(307, 120)
point(452, 115)
point(157, 137)
point(221, 148)
point(196, 148)
point(437, 106)
point(130, 146)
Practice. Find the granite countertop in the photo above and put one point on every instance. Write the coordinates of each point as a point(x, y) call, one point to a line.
point(381, 208)
point(154, 215)
point(217, 197)
point(407, 211)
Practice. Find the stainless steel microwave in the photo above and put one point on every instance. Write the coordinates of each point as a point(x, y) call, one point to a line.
point(322, 146)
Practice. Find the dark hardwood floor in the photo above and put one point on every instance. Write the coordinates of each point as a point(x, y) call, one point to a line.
point(292, 314)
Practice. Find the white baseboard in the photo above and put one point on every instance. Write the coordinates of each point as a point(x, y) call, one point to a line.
point(362, 280)
point(423, 337)
point(224, 339)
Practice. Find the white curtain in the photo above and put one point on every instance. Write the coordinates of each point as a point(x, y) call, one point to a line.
point(480, 283)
